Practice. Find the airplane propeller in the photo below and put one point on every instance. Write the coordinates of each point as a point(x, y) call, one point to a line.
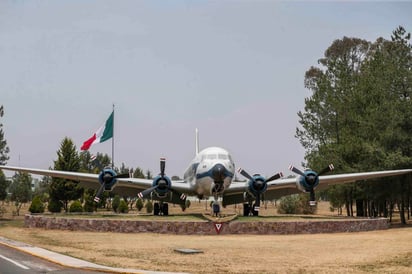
point(258, 184)
point(310, 179)
point(162, 183)
point(106, 177)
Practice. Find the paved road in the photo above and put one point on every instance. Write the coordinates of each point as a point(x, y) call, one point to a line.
point(17, 257)
point(13, 261)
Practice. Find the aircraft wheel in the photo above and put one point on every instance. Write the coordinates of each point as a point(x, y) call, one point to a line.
point(246, 209)
point(156, 209)
point(165, 209)
point(254, 212)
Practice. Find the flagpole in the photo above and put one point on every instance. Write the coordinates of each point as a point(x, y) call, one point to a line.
point(113, 141)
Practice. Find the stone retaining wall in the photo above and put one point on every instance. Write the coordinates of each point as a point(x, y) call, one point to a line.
point(206, 227)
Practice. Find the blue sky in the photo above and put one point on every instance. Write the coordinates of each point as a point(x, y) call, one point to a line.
point(233, 69)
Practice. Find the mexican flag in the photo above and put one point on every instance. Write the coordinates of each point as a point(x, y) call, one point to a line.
point(104, 133)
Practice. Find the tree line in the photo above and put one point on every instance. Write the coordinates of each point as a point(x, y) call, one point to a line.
point(359, 117)
point(58, 193)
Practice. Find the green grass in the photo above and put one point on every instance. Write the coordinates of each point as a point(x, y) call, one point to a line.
point(11, 223)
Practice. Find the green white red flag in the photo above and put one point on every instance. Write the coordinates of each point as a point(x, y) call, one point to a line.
point(105, 132)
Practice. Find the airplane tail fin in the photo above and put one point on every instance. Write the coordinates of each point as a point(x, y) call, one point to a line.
point(197, 141)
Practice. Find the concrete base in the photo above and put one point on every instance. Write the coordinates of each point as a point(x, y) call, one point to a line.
point(206, 227)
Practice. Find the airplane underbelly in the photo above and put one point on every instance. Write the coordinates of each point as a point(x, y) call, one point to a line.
point(204, 186)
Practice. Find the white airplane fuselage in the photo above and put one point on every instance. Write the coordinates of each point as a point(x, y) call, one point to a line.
point(210, 172)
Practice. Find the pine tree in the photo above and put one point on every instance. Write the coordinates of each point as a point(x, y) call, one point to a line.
point(4, 149)
point(67, 160)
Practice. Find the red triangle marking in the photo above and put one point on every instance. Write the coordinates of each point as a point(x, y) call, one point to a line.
point(218, 227)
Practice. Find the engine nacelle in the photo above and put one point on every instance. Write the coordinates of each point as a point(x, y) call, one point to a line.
point(258, 185)
point(308, 182)
point(163, 184)
point(108, 177)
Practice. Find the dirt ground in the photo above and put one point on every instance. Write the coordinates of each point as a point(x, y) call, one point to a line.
point(387, 251)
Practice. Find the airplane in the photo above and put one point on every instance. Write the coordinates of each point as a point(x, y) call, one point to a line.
point(211, 174)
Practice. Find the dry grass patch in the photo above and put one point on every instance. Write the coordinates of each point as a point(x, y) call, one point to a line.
point(378, 251)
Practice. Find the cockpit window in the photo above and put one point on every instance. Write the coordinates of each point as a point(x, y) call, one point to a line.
point(222, 156)
point(211, 156)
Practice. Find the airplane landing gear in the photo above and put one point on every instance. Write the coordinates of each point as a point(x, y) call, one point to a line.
point(249, 210)
point(161, 209)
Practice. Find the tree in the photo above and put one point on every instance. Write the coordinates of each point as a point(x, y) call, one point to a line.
point(20, 189)
point(328, 121)
point(54, 206)
point(360, 114)
point(89, 204)
point(138, 173)
point(67, 160)
point(149, 206)
point(3, 186)
point(87, 164)
point(139, 204)
point(123, 207)
point(149, 174)
point(76, 206)
point(116, 203)
point(37, 205)
point(42, 189)
point(4, 149)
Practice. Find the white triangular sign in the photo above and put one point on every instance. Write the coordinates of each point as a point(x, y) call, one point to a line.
point(218, 227)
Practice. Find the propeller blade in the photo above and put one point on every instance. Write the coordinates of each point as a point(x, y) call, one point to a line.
point(162, 166)
point(99, 193)
point(295, 170)
point(312, 200)
point(245, 174)
point(146, 192)
point(275, 177)
point(326, 169)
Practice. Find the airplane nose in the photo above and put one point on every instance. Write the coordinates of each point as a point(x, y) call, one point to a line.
point(218, 173)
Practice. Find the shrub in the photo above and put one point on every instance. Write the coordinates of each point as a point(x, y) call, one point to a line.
point(139, 204)
point(289, 204)
point(123, 208)
point(76, 206)
point(55, 206)
point(116, 203)
point(306, 208)
point(89, 204)
point(37, 205)
point(296, 204)
point(149, 206)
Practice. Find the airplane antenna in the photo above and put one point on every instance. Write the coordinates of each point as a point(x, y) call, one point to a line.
point(197, 141)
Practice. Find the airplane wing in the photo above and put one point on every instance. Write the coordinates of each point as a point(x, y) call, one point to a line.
point(124, 186)
point(281, 187)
